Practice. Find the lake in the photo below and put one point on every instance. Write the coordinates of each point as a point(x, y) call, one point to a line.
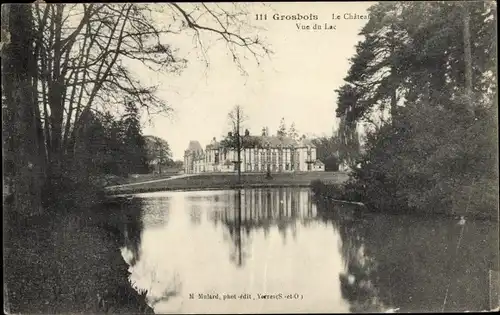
point(280, 250)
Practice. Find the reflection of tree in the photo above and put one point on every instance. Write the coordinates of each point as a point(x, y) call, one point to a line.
point(238, 229)
point(132, 228)
point(408, 262)
point(138, 213)
point(195, 214)
point(234, 227)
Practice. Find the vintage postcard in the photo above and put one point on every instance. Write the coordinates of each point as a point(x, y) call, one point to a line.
point(292, 157)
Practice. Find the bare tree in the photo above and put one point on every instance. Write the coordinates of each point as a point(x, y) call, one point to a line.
point(236, 118)
point(86, 54)
point(229, 21)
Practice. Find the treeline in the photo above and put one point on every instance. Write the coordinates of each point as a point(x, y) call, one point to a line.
point(423, 83)
point(111, 145)
point(61, 77)
point(65, 69)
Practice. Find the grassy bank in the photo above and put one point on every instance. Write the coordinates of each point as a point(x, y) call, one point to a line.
point(229, 181)
point(109, 180)
point(68, 263)
point(344, 194)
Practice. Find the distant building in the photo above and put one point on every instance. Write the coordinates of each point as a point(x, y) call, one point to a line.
point(278, 154)
point(194, 158)
point(318, 166)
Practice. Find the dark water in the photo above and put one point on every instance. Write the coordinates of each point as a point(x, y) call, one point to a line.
point(311, 255)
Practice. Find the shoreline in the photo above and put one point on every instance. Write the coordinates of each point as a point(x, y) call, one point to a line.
point(365, 210)
point(331, 193)
point(54, 267)
point(131, 191)
point(219, 181)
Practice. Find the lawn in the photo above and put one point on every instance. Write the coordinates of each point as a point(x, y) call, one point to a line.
point(225, 180)
point(137, 178)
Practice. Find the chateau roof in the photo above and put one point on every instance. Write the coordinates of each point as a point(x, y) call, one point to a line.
point(271, 141)
point(306, 142)
point(214, 145)
point(194, 146)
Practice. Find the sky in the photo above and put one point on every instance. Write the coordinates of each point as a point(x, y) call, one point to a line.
point(296, 82)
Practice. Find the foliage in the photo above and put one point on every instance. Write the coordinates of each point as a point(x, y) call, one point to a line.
point(433, 159)
point(292, 132)
point(410, 52)
point(281, 132)
point(348, 144)
point(437, 152)
point(327, 151)
point(158, 151)
point(134, 141)
point(178, 164)
point(110, 145)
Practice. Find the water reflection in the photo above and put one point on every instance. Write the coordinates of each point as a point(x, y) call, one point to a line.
point(245, 210)
point(130, 224)
point(412, 263)
point(283, 241)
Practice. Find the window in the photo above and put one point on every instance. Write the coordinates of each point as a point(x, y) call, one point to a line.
point(287, 166)
point(280, 159)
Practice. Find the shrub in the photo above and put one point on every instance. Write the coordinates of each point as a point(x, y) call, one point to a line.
point(432, 159)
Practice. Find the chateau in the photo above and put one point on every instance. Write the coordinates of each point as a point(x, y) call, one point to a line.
point(278, 154)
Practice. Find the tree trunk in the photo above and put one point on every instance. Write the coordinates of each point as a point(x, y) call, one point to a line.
point(467, 57)
point(238, 144)
point(394, 101)
point(56, 89)
point(22, 150)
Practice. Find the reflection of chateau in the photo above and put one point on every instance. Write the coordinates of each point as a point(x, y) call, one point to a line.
point(264, 207)
point(278, 154)
point(252, 209)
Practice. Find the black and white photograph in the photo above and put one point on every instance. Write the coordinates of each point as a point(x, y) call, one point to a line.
point(250, 157)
